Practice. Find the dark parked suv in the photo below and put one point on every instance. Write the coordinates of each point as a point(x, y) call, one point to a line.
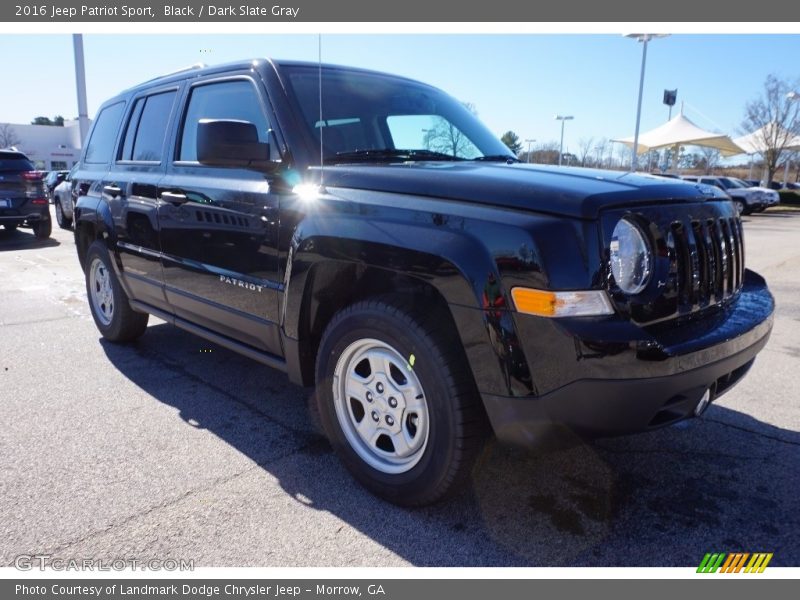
point(22, 195)
point(373, 239)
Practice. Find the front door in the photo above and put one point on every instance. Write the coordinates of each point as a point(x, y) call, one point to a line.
point(219, 227)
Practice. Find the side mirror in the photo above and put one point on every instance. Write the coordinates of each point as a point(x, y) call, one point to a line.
point(230, 143)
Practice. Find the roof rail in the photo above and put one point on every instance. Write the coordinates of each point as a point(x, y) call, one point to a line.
point(198, 65)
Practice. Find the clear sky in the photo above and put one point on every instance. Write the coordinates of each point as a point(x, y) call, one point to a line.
point(517, 82)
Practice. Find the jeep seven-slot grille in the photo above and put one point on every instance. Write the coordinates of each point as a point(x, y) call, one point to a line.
point(710, 260)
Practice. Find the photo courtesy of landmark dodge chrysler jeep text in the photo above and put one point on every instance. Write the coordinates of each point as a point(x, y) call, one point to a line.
point(372, 238)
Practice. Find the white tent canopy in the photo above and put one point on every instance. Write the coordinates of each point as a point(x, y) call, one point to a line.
point(680, 130)
point(758, 141)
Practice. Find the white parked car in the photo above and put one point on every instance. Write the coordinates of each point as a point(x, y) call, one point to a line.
point(64, 203)
point(771, 197)
point(746, 199)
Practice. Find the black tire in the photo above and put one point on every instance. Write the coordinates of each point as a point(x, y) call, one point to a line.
point(450, 409)
point(10, 226)
point(63, 221)
point(111, 311)
point(42, 228)
point(741, 207)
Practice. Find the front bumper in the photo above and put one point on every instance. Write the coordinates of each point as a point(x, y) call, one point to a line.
point(616, 386)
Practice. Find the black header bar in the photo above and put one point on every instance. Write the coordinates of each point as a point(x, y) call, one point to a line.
point(454, 11)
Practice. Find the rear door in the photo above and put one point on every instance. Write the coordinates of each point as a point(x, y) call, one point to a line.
point(88, 181)
point(131, 192)
point(219, 226)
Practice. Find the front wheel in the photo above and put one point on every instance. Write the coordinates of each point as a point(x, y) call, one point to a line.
point(741, 209)
point(111, 311)
point(398, 401)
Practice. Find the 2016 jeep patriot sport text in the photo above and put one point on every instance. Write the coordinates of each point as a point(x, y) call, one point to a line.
point(372, 238)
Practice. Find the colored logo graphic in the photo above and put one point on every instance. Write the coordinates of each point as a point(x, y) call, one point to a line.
point(735, 562)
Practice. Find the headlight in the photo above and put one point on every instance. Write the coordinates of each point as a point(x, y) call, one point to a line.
point(630, 257)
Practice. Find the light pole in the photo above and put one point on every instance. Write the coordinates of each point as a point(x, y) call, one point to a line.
point(562, 118)
point(80, 86)
point(529, 141)
point(644, 38)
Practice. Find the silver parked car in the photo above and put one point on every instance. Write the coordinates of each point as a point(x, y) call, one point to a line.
point(64, 202)
point(746, 199)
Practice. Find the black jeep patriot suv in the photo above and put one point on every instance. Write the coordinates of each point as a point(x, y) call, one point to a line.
point(367, 235)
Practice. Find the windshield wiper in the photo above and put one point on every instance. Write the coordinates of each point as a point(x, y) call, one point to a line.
point(388, 155)
point(498, 158)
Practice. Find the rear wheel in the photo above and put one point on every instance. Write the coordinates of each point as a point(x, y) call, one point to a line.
point(111, 311)
point(398, 401)
point(63, 221)
point(42, 228)
point(10, 226)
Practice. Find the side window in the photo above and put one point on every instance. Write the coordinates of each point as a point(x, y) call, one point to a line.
point(104, 134)
point(224, 100)
point(144, 137)
point(130, 131)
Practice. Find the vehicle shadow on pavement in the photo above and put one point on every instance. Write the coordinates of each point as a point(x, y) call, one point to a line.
point(727, 482)
point(23, 239)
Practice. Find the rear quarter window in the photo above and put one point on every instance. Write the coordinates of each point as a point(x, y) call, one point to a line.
point(104, 134)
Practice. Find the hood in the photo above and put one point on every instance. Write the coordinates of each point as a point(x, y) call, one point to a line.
point(573, 192)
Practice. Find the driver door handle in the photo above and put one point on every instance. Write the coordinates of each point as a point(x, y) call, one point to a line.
point(112, 190)
point(174, 197)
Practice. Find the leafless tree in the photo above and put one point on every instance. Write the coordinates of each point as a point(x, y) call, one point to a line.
point(775, 116)
point(8, 137)
point(585, 147)
point(709, 160)
point(625, 153)
point(546, 153)
point(446, 138)
point(600, 151)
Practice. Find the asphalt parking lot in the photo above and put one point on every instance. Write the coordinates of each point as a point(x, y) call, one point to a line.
point(175, 448)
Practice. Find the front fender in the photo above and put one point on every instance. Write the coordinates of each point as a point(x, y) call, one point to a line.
point(435, 251)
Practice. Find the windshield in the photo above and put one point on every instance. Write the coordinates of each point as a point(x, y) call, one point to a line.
point(743, 183)
point(375, 117)
point(731, 183)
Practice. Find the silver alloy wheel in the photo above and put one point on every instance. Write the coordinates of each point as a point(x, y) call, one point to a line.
point(101, 291)
point(381, 406)
point(739, 207)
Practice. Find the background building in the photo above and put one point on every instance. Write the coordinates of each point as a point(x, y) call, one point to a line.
point(50, 147)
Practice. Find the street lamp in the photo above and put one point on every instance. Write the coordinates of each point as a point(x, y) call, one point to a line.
point(644, 38)
point(561, 148)
point(529, 141)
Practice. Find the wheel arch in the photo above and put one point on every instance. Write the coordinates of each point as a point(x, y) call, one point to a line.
point(326, 274)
